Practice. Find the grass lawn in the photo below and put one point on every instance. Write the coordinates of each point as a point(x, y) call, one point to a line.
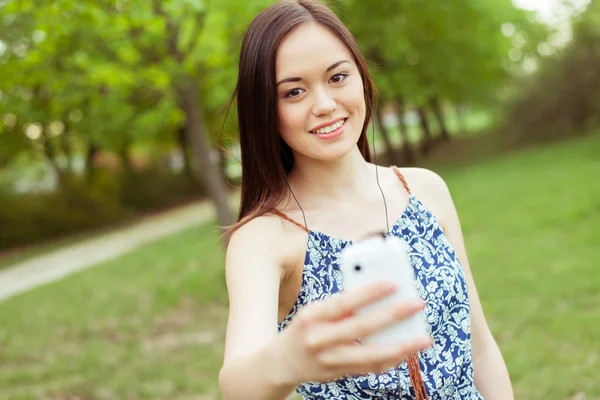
point(150, 325)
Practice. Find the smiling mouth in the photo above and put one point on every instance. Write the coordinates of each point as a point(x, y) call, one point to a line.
point(330, 128)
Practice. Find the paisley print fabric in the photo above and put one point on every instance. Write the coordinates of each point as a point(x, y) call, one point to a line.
point(447, 367)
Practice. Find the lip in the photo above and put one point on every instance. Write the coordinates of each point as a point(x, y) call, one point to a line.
point(323, 125)
point(331, 135)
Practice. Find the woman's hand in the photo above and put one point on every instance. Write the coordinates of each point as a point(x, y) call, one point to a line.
point(319, 345)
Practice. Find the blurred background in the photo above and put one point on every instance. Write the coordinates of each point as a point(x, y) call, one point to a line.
point(116, 152)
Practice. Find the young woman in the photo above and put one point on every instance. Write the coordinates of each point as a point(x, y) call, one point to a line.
point(309, 189)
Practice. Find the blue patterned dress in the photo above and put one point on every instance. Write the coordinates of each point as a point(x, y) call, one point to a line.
point(447, 367)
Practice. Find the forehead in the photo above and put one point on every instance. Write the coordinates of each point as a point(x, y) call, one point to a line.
point(309, 49)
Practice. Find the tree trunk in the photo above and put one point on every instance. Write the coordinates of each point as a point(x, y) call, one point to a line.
point(439, 116)
point(427, 142)
point(186, 93)
point(391, 155)
point(188, 169)
point(67, 147)
point(125, 159)
point(223, 164)
point(407, 150)
point(200, 145)
point(92, 151)
point(50, 154)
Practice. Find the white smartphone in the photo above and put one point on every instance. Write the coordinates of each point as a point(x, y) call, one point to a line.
point(386, 259)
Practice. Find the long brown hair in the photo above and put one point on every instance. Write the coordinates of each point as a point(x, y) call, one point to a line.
point(266, 158)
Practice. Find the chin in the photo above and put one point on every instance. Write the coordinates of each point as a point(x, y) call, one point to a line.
point(335, 151)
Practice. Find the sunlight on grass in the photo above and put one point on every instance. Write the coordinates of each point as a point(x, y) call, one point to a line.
point(531, 228)
point(150, 325)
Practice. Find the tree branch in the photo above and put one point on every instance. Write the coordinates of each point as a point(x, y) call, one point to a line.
point(153, 56)
point(197, 32)
point(172, 32)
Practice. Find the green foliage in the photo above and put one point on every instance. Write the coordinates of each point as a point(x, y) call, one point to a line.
point(154, 188)
point(88, 77)
point(30, 218)
point(113, 64)
point(562, 98)
point(78, 206)
point(451, 50)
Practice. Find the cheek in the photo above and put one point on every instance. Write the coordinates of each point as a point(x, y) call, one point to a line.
point(291, 119)
point(356, 96)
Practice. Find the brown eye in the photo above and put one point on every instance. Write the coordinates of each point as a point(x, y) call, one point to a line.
point(294, 93)
point(337, 78)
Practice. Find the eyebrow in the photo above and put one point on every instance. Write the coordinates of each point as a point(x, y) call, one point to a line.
point(296, 79)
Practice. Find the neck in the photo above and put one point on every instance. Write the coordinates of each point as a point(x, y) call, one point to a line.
point(316, 181)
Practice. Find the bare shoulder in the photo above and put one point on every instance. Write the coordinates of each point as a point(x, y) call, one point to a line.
point(431, 189)
point(260, 238)
point(424, 182)
point(265, 225)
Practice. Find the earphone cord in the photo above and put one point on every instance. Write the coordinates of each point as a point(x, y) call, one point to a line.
point(303, 215)
point(387, 224)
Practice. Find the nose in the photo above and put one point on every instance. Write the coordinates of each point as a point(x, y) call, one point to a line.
point(324, 103)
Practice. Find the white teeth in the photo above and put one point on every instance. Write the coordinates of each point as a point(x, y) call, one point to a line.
point(330, 128)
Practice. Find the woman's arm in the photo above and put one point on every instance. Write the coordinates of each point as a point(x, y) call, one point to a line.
point(491, 375)
point(250, 368)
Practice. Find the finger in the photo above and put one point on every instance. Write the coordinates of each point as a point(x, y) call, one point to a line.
point(371, 357)
point(361, 325)
point(349, 301)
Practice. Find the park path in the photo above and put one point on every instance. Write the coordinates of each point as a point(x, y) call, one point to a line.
point(60, 263)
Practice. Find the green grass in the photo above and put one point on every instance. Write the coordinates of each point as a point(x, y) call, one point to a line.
point(150, 325)
point(147, 325)
point(531, 225)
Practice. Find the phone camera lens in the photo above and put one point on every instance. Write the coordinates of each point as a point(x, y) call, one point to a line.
point(357, 267)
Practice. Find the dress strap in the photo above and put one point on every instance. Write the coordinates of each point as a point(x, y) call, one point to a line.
point(282, 215)
point(401, 177)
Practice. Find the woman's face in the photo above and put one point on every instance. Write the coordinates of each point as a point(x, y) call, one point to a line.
point(321, 103)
